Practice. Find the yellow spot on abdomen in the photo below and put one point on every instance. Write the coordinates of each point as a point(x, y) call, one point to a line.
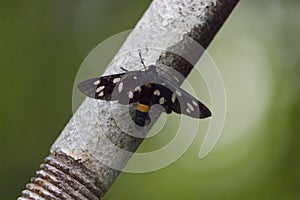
point(142, 108)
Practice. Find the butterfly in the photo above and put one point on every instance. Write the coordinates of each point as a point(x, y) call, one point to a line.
point(146, 88)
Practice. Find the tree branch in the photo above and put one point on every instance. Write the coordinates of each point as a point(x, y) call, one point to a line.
point(88, 155)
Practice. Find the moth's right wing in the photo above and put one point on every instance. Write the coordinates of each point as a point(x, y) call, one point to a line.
point(173, 98)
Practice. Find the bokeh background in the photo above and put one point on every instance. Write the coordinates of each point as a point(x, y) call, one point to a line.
point(43, 43)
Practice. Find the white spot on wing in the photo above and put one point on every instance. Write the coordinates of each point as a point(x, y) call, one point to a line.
point(134, 77)
point(138, 88)
point(173, 97)
point(195, 103)
point(162, 100)
point(190, 106)
point(120, 88)
point(99, 88)
point(130, 95)
point(178, 93)
point(101, 94)
point(97, 82)
point(156, 92)
point(116, 80)
point(188, 110)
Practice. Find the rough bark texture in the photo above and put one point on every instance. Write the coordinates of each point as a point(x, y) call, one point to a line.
point(83, 161)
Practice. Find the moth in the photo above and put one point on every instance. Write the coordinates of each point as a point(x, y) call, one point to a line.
point(145, 88)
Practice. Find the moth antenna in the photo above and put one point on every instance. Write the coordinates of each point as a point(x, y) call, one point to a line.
point(122, 68)
point(142, 59)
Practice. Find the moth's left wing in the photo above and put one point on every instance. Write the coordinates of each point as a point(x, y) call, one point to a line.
point(101, 87)
point(173, 98)
point(116, 87)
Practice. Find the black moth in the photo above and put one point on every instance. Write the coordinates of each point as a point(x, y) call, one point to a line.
point(146, 88)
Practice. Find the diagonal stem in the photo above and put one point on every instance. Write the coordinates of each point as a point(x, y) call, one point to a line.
point(80, 162)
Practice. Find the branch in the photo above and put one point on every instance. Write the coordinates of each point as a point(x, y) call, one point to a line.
point(94, 146)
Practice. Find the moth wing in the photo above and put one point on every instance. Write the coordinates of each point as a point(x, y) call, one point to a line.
point(128, 90)
point(161, 96)
point(178, 100)
point(116, 87)
point(101, 87)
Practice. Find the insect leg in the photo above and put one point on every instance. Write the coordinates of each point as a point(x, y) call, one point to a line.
point(140, 54)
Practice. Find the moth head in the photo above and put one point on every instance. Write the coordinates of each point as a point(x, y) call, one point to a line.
point(152, 68)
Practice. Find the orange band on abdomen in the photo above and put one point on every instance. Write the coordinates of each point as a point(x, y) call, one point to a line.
point(142, 108)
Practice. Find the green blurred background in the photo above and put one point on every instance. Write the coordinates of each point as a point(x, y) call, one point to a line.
point(43, 43)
